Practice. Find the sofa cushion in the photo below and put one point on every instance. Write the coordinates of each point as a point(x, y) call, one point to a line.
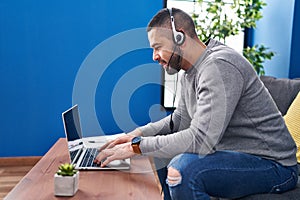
point(292, 120)
point(282, 90)
point(289, 195)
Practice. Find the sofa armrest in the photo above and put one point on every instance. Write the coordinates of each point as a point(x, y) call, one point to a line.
point(282, 90)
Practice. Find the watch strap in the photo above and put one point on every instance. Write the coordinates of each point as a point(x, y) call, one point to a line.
point(135, 143)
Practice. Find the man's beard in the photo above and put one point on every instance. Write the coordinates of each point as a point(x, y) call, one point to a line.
point(174, 64)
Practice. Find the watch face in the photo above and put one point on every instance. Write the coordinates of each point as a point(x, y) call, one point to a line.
point(136, 140)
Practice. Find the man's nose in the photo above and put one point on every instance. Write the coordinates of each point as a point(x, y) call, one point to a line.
point(155, 56)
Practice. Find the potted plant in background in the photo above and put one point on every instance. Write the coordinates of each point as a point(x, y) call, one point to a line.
point(66, 180)
point(218, 23)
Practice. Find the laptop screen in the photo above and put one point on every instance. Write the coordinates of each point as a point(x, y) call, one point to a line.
point(73, 131)
point(72, 124)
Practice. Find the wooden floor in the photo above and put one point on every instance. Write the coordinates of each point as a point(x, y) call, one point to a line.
point(12, 170)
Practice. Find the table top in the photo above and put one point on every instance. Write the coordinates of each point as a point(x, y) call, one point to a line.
point(137, 183)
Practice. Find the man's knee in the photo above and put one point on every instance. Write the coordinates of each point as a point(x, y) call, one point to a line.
point(174, 177)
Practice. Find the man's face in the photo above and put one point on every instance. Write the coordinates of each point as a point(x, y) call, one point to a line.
point(163, 48)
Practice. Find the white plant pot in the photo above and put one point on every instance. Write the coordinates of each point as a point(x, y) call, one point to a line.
point(66, 185)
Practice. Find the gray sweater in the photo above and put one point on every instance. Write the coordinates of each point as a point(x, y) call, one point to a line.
point(223, 106)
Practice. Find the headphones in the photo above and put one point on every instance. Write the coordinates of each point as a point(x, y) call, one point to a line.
point(178, 36)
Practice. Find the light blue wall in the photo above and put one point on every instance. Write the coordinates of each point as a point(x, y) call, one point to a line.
point(274, 30)
point(43, 47)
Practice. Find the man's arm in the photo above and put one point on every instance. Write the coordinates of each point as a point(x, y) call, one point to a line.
point(180, 118)
point(217, 93)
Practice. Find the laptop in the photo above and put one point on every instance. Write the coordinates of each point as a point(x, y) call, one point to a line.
point(81, 154)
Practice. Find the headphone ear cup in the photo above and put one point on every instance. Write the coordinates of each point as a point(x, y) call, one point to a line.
point(179, 37)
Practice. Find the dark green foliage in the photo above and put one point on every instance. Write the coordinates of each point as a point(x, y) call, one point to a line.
point(214, 22)
point(257, 56)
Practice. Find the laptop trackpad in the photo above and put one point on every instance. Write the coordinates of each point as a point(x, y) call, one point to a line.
point(114, 163)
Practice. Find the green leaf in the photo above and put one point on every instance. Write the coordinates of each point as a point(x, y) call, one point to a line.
point(215, 23)
point(66, 170)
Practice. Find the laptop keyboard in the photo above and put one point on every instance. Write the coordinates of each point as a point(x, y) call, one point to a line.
point(89, 157)
point(73, 154)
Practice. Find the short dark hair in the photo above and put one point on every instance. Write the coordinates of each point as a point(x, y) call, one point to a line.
point(182, 21)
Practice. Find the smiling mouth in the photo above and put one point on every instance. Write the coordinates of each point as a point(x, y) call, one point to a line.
point(163, 64)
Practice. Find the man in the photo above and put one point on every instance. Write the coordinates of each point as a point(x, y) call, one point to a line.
point(226, 138)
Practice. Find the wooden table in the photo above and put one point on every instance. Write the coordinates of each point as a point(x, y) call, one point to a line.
point(138, 183)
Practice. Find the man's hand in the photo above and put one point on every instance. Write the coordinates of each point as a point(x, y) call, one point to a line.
point(120, 140)
point(118, 152)
point(117, 149)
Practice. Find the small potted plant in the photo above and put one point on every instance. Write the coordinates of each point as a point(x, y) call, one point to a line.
point(66, 180)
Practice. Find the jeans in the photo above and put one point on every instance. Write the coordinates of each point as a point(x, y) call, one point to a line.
point(226, 174)
point(161, 169)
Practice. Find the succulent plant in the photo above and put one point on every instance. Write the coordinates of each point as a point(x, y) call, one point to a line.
point(66, 170)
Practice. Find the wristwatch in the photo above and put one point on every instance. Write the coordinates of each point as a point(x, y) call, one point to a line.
point(135, 143)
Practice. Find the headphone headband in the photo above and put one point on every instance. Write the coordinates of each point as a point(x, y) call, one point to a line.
point(177, 35)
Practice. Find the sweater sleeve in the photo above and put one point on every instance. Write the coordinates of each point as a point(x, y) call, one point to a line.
point(218, 89)
point(180, 118)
